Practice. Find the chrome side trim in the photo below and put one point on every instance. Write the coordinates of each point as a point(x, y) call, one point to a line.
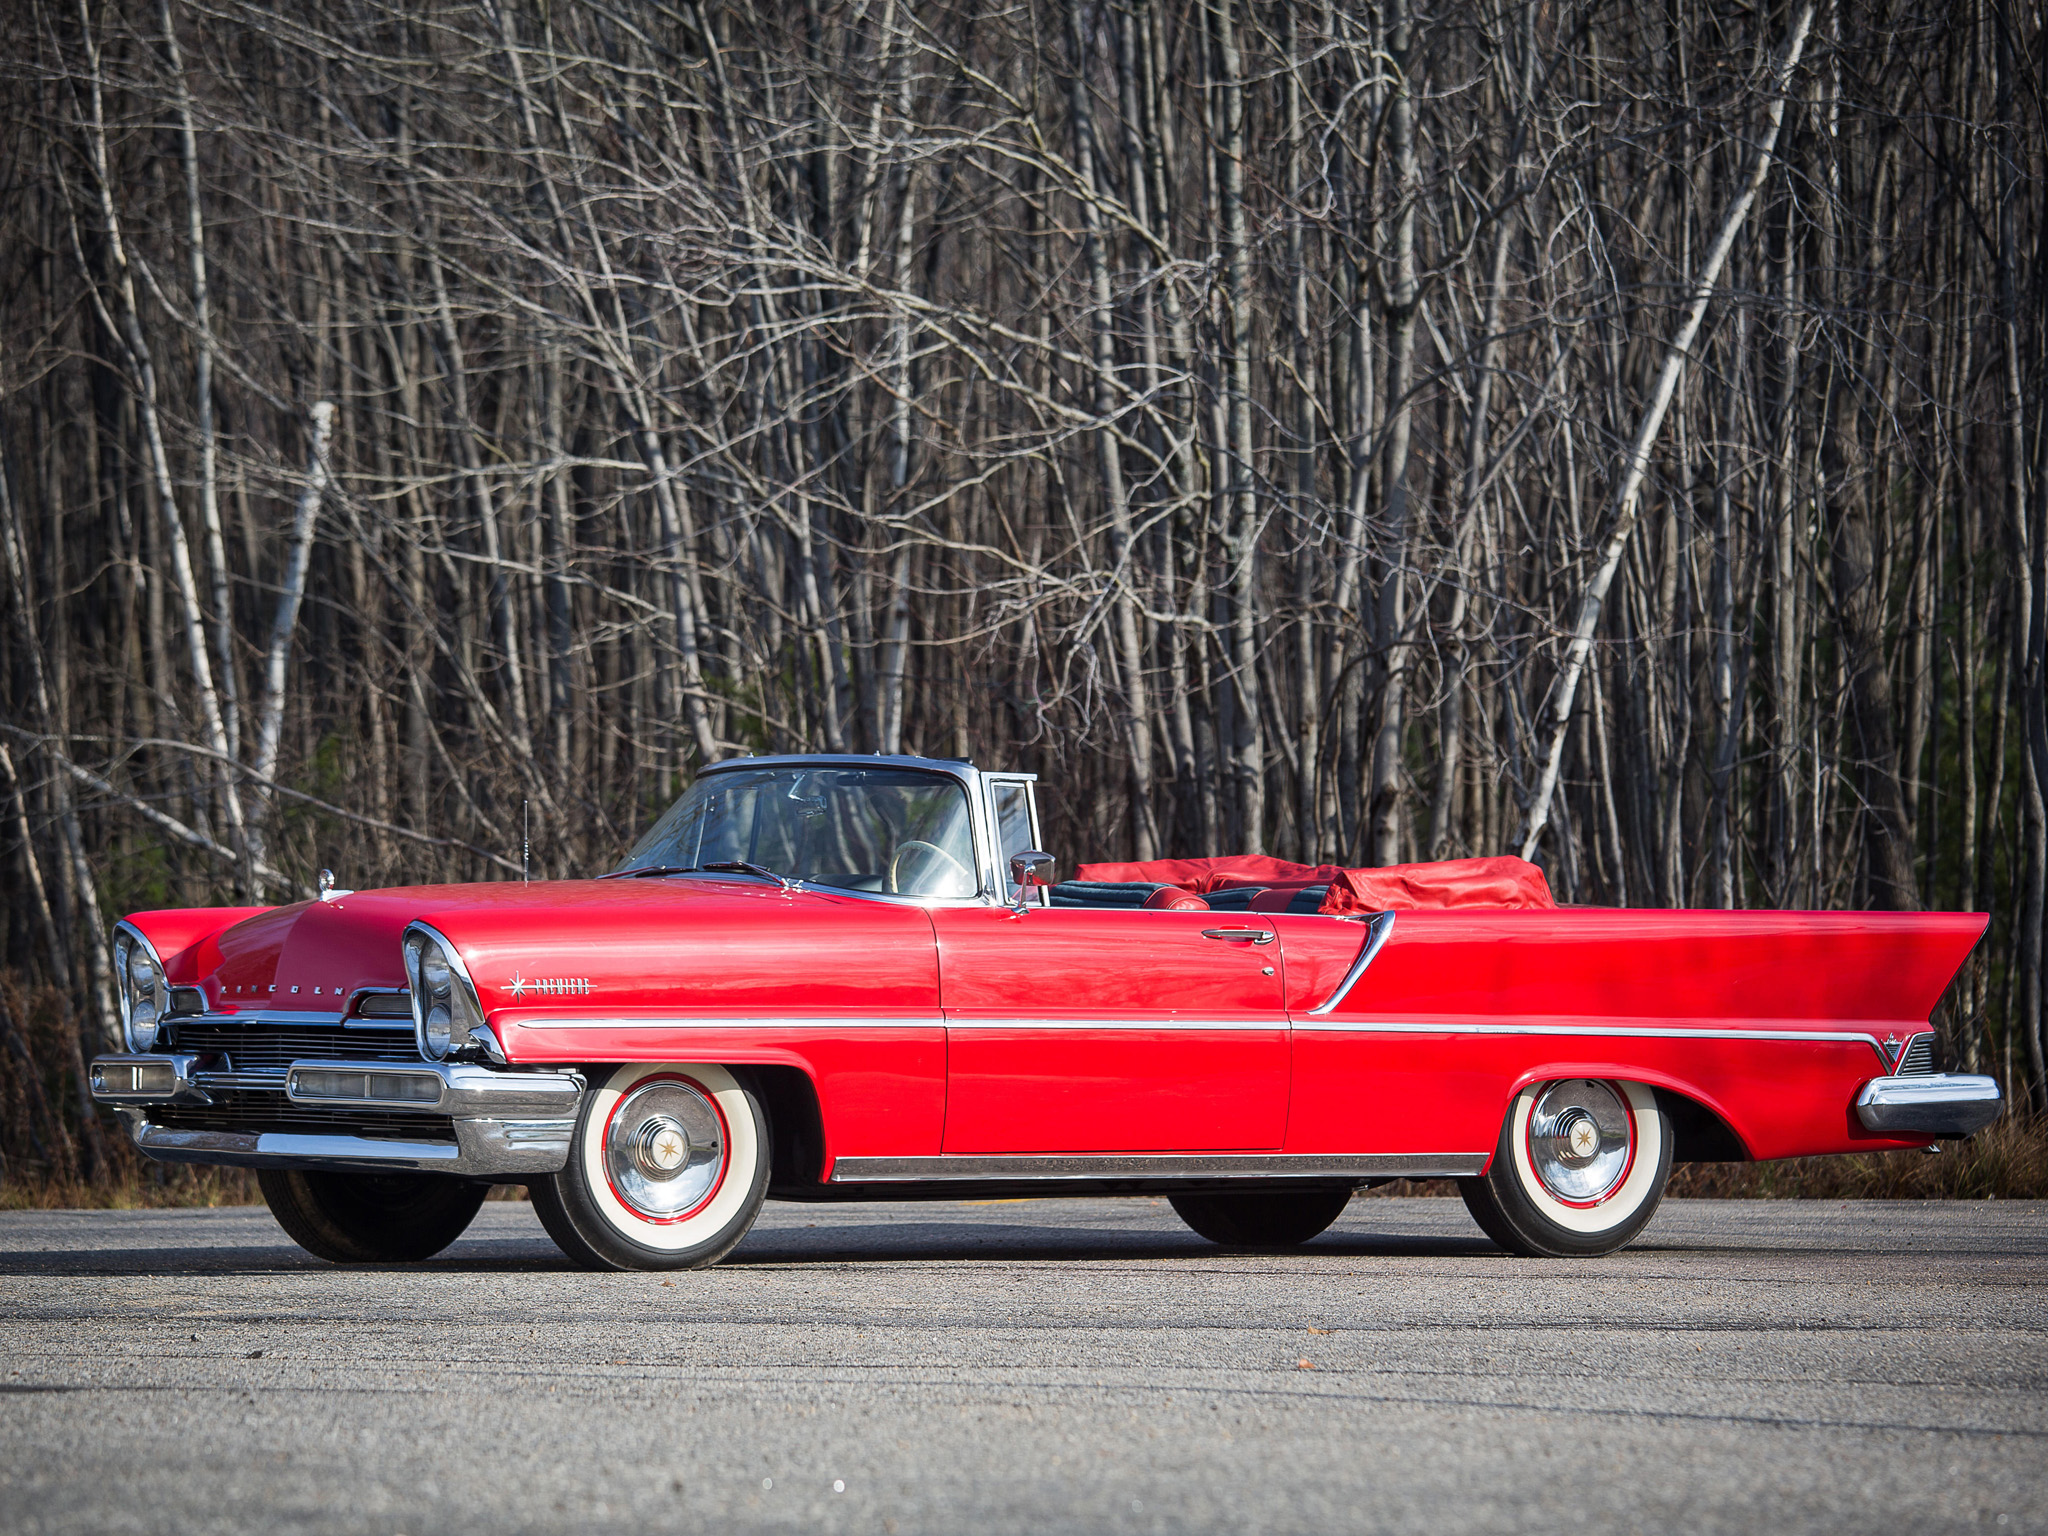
point(905, 1170)
point(481, 1149)
point(1948, 1104)
point(598, 1021)
point(1591, 1031)
point(1302, 1023)
point(1257, 1023)
point(1271, 1022)
point(1376, 932)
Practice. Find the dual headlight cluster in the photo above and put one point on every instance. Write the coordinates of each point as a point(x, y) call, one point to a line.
point(145, 990)
point(445, 1013)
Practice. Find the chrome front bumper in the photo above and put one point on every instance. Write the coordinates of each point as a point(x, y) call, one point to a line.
point(505, 1124)
point(1947, 1105)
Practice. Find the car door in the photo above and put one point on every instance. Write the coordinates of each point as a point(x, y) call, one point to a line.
point(1074, 1030)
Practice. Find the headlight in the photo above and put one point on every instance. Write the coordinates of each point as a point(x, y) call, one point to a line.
point(145, 994)
point(445, 1011)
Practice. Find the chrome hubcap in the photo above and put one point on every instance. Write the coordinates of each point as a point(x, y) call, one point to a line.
point(664, 1149)
point(661, 1147)
point(1579, 1138)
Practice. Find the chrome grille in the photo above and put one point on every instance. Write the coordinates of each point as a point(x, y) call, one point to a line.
point(273, 1047)
point(255, 1113)
point(1919, 1057)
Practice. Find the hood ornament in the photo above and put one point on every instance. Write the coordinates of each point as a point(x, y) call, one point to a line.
point(327, 890)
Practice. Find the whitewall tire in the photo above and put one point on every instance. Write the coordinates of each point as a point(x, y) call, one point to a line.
point(1578, 1172)
point(667, 1170)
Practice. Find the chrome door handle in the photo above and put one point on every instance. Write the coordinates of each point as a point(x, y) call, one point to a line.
point(1256, 935)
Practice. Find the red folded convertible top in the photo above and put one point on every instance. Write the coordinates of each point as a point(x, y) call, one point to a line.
point(1497, 882)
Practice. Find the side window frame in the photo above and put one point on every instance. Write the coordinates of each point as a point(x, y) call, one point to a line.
point(993, 786)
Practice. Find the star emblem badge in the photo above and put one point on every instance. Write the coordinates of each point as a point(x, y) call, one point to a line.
point(516, 986)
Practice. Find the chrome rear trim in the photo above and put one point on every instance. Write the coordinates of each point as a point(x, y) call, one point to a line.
point(1377, 930)
point(1362, 1026)
point(1944, 1104)
point(902, 1170)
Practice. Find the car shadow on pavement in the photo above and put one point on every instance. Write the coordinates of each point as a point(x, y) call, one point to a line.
point(880, 1244)
point(934, 1242)
point(283, 1259)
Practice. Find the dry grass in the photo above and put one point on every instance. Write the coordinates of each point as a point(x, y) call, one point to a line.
point(135, 1188)
point(2007, 1162)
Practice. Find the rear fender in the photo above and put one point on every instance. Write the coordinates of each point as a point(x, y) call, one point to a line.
point(1702, 1129)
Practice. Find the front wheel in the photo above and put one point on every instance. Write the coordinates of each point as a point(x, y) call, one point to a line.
point(1578, 1172)
point(667, 1169)
point(1258, 1218)
point(370, 1218)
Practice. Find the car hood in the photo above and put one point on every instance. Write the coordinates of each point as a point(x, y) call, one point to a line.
point(646, 943)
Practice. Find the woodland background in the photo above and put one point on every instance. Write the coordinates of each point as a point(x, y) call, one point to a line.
point(1365, 432)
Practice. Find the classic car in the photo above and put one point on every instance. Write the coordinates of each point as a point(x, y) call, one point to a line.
point(853, 978)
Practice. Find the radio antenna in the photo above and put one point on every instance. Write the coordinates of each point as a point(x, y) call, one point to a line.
point(525, 840)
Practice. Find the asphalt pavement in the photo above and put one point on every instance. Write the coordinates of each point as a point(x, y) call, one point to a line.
point(1083, 1365)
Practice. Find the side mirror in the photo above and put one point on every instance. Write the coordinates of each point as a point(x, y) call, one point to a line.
point(1027, 869)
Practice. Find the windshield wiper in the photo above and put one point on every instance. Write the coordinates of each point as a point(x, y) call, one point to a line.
point(742, 867)
point(722, 867)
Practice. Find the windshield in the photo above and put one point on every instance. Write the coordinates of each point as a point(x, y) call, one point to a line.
point(862, 829)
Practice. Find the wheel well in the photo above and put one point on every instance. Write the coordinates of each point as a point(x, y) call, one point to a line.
point(796, 1128)
point(1698, 1135)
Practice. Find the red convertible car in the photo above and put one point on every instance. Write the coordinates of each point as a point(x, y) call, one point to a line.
point(851, 978)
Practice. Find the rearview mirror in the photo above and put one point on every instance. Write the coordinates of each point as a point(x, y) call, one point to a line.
point(1027, 869)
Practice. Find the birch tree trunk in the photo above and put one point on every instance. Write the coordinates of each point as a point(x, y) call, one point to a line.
point(1637, 464)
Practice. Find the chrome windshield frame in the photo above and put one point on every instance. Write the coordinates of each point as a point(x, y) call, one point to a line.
point(979, 814)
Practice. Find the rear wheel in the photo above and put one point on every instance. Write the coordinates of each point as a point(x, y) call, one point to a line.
point(370, 1218)
point(1578, 1172)
point(1258, 1218)
point(667, 1170)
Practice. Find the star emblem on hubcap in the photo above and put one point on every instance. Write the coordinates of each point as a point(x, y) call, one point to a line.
point(668, 1151)
point(516, 986)
point(1585, 1139)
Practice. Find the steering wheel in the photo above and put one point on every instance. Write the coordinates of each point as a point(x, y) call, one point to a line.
point(896, 864)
